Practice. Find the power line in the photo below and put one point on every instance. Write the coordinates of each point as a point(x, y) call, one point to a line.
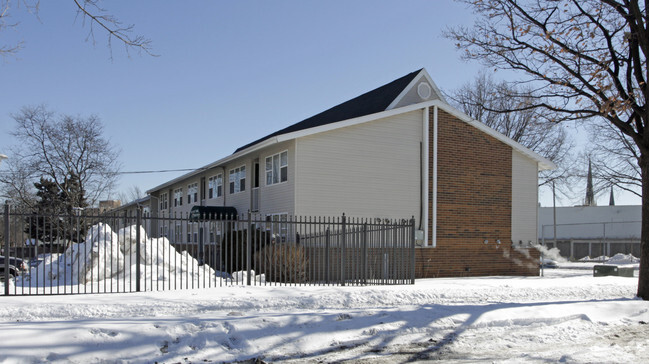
point(163, 171)
point(145, 172)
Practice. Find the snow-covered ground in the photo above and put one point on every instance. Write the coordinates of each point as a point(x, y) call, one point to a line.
point(567, 315)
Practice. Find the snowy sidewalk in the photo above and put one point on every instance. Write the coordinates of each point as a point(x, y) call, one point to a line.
point(562, 316)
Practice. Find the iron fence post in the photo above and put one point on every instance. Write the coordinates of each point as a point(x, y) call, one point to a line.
point(412, 250)
point(342, 250)
point(138, 223)
point(249, 250)
point(6, 249)
point(327, 248)
point(364, 253)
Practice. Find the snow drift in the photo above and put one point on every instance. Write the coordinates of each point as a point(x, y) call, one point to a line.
point(108, 256)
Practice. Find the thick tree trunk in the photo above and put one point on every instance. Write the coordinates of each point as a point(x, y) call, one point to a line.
point(643, 280)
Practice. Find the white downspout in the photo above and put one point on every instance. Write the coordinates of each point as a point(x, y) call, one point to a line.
point(434, 222)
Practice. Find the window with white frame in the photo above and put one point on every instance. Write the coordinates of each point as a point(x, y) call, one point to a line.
point(178, 197)
point(178, 233)
point(192, 193)
point(164, 201)
point(277, 168)
point(215, 231)
point(278, 226)
point(164, 231)
point(215, 186)
point(238, 179)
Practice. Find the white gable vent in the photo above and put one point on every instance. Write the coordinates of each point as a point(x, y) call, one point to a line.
point(424, 90)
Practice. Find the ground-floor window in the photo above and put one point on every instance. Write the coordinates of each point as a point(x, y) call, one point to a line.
point(277, 225)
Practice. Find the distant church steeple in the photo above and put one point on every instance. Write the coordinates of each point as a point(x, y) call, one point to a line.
point(590, 195)
point(611, 200)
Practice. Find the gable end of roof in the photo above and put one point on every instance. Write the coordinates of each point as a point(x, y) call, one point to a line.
point(368, 103)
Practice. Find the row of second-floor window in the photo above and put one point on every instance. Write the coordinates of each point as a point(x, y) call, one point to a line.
point(178, 197)
point(277, 168)
point(276, 172)
point(215, 186)
point(192, 193)
point(164, 201)
point(238, 179)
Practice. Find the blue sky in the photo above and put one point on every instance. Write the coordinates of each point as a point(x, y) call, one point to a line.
point(227, 72)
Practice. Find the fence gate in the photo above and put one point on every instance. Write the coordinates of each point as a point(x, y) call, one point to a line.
point(77, 252)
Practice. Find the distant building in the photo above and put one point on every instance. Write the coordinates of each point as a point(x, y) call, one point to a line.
point(591, 230)
point(108, 205)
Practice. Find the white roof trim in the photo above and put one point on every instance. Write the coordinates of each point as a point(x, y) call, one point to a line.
point(413, 83)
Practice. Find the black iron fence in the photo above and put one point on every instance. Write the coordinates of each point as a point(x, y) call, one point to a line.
point(81, 252)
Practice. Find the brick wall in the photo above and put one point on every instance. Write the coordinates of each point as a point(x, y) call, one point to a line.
point(474, 203)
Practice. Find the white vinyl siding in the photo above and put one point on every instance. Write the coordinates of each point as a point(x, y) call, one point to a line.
point(369, 170)
point(524, 198)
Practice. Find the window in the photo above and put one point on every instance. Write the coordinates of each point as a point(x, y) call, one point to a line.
point(192, 193)
point(216, 186)
point(178, 233)
point(192, 232)
point(238, 179)
point(164, 201)
point(215, 231)
point(277, 168)
point(278, 226)
point(178, 197)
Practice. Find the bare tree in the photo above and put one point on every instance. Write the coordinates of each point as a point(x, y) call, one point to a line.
point(92, 14)
point(615, 159)
point(61, 148)
point(584, 59)
point(495, 104)
point(134, 193)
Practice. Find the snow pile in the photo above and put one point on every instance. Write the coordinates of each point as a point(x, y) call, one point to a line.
point(108, 256)
point(601, 258)
point(99, 257)
point(242, 276)
point(620, 258)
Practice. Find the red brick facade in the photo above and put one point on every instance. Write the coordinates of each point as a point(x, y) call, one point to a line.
point(474, 204)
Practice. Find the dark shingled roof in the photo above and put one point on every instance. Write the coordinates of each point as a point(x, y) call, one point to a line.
point(368, 103)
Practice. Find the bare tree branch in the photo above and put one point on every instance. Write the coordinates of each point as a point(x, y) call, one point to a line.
point(86, 9)
point(501, 106)
point(114, 28)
